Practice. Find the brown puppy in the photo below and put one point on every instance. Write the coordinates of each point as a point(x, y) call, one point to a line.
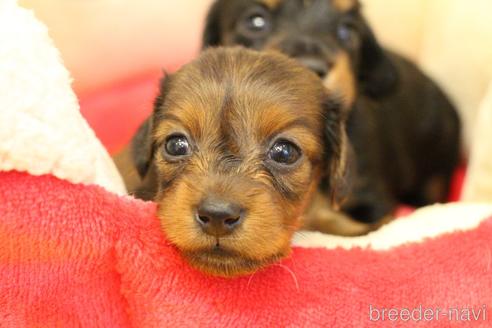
point(403, 130)
point(233, 154)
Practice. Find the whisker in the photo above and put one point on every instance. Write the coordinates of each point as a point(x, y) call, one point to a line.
point(249, 280)
point(293, 275)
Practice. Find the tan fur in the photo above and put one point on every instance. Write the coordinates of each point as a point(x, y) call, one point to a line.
point(340, 81)
point(344, 5)
point(220, 102)
point(272, 4)
point(322, 217)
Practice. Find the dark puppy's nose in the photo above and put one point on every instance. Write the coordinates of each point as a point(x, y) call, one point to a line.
point(217, 217)
point(318, 66)
point(308, 51)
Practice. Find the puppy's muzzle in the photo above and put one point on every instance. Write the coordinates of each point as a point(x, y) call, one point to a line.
point(219, 218)
point(317, 65)
point(308, 52)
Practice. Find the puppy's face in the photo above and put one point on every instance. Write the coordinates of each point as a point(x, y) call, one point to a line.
point(328, 36)
point(239, 142)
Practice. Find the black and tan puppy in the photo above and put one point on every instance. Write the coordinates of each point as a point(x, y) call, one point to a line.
point(404, 131)
point(233, 154)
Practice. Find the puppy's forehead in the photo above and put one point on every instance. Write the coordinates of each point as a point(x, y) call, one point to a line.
point(253, 95)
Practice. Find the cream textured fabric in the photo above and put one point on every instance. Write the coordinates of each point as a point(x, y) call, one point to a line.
point(478, 186)
point(427, 222)
point(41, 128)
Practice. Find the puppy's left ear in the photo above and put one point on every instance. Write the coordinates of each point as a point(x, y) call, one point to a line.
point(335, 182)
point(212, 32)
point(142, 146)
point(377, 74)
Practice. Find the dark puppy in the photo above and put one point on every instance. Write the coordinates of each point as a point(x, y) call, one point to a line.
point(404, 131)
point(233, 154)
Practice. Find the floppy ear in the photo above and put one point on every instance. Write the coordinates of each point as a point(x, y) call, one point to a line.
point(212, 34)
point(142, 146)
point(377, 74)
point(335, 182)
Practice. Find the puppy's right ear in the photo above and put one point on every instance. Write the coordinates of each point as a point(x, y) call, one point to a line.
point(142, 145)
point(334, 182)
point(212, 33)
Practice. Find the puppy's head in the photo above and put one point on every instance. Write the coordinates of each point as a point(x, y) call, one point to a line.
point(238, 142)
point(329, 36)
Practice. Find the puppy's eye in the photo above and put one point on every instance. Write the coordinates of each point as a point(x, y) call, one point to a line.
point(177, 145)
point(346, 32)
point(284, 152)
point(256, 23)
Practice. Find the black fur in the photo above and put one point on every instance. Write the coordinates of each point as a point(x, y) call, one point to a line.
point(141, 148)
point(377, 74)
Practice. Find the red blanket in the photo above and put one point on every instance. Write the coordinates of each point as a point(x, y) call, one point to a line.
point(72, 256)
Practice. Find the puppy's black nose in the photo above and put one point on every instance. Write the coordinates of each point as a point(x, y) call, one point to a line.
point(318, 66)
point(217, 217)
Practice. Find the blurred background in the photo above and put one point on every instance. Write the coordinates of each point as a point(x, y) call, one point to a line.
point(116, 50)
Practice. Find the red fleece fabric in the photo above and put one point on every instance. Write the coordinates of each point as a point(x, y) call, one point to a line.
point(125, 104)
point(73, 255)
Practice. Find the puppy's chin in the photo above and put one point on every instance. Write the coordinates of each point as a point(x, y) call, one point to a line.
point(263, 238)
point(222, 262)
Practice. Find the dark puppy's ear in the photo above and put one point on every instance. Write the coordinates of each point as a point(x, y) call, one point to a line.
point(212, 32)
point(377, 74)
point(142, 146)
point(335, 182)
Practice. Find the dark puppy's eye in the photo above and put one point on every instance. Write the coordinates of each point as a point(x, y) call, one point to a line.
point(177, 145)
point(346, 32)
point(284, 152)
point(255, 23)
